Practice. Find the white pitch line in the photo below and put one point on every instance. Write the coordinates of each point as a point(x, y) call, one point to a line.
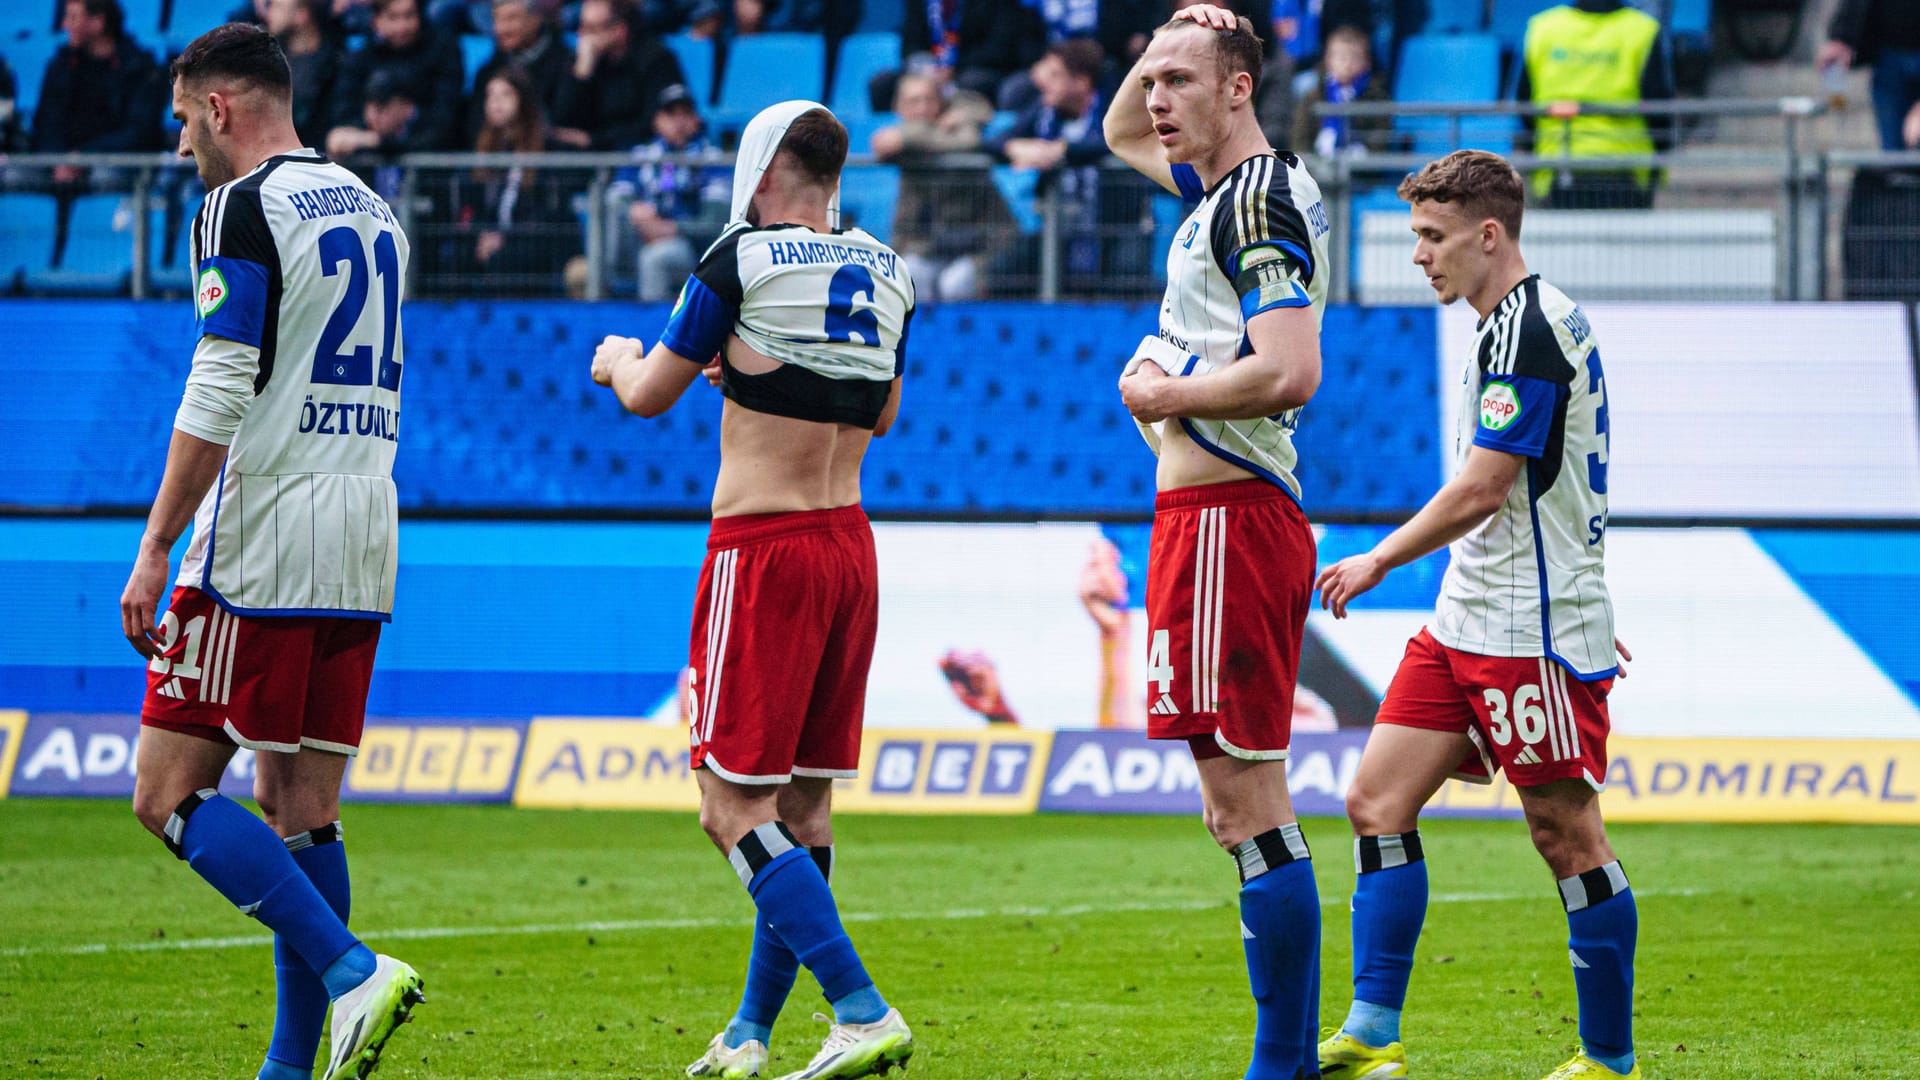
point(423, 933)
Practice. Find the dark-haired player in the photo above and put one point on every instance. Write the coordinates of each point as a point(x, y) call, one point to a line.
point(282, 458)
point(809, 327)
point(1514, 670)
point(1218, 393)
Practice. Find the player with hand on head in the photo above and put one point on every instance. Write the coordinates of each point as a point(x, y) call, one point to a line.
point(282, 458)
point(1217, 394)
point(1514, 670)
point(809, 323)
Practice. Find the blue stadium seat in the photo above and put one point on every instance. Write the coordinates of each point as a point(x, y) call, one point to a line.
point(1690, 19)
point(143, 18)
point(860, 129)
point(191, 18)
point(1018, 188)
point(26, 16)
point(882, 15)
point(766, 69)
point(99, 255)
point(696, 63)
point(475, 49)
point(1461, 68)
point(29, 54)
point(867, 197)
point(1454, 17)
point(170, 258)
point(1508, 22)
point(862, 56)
point(26, 236)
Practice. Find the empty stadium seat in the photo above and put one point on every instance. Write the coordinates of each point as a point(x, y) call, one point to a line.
point(766, 69)
point(1508, 22)
point(1454, 17)
point(1690, 19)
point(475, 50)
point(868, 194)
point(26, 16)
point(862, 56)
point(26, 236)
point(191, 18)
point(860, 129)
point(98, 257)
point(696, 64)
point(142, 18)
point(881, 15)
point(1462, 68)
point(170, 257)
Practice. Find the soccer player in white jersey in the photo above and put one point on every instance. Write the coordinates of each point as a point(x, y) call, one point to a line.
point(282, 458)
point(1218, 392)
point(1513, 671)
point(803, 327)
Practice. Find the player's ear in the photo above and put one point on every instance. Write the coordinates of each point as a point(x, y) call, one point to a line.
point(1489, 235)
point(1243, 85)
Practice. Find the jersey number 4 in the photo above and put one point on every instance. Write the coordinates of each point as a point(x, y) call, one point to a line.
point(332, 364)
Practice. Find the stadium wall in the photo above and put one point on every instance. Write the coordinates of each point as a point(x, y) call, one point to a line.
point(1778, 678)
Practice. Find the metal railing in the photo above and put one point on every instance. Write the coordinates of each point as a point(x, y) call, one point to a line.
point(1779, 220)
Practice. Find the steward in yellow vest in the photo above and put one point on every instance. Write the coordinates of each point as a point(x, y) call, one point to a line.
point(1595, 52)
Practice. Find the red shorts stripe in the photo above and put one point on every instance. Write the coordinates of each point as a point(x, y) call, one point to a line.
point(1525, 715)
point(280, 683)
point(784, 622)
point(1229, 579)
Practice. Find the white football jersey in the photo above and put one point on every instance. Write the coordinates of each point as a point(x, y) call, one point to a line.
point(1257, 241)
point(301, 260)
point(834, 308)
point(1530, 580)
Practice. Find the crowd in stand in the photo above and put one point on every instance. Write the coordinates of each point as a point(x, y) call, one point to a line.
point(1022, 81)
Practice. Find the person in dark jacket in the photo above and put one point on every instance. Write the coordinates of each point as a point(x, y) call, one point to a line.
point(524, 39)
point(428, 66)
point(1886, 34)
point(617, 77)
point(304, 30)
point(101, 93)
point(518, 220)
point(983, 41)
point(1345, 75)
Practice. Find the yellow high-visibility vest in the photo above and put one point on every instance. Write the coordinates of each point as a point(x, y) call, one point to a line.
point(1574, 55)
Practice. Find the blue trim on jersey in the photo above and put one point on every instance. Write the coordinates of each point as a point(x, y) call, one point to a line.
point(1187, 179)
point(1294, 249)
point(1235, 459)
point(1526, 434)
point(268, 613)
point(242, 315)
point(1546, 602)
point(699, 324)
point(213, 530)
point(1250, 304)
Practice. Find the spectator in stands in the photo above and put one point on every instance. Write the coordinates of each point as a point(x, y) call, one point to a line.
point(942, 219)
point(1345, 75)
point(523, 37)
point(1122, 28)
point(303, 30)
point(1886, 34)
point(982, 41)
point(388, 116)
point(520, 219)
point(101, 92)
point(1596, 52)
point(1061, 138)
point(675, 209)
point(618, 77)
point(426, 65)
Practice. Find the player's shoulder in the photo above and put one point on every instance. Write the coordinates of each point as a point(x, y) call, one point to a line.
point(1265, 198)
point(1536, 331)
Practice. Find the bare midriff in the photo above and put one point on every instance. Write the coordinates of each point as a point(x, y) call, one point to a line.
point(774, 464)
point(1185, 463)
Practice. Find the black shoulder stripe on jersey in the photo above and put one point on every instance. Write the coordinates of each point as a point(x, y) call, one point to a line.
point(1538, 352)
point(719, 268)
point(239, 230)
point(1256, 207)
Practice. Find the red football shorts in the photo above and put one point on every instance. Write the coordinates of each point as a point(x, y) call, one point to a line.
point(783, 632)
point(1229, 578)
point(1526, 715)
point(266, 683)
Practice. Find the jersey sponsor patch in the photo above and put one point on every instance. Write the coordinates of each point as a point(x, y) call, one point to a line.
point(212, 291)
point(1499, 407)
point(1255, 256)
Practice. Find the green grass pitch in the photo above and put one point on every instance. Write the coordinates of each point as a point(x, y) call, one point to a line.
point(612, 945)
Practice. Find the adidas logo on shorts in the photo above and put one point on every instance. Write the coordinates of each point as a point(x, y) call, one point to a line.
point(1526, 756)
point(1165, 706)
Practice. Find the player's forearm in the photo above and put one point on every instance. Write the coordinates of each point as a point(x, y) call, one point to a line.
point(1453, 512)
point(648, 385)
point(1251, 387)
point(193, 465)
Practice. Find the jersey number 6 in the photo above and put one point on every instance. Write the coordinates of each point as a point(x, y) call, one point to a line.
point(842, 321)
point(355, 368)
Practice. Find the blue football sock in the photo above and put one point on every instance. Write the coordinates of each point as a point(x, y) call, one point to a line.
point(249, 865)
point(771, 971)
point(792, 896)
point(300, 999)
point(1389, 904)
point(1603, 926)
point(1280, 928)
